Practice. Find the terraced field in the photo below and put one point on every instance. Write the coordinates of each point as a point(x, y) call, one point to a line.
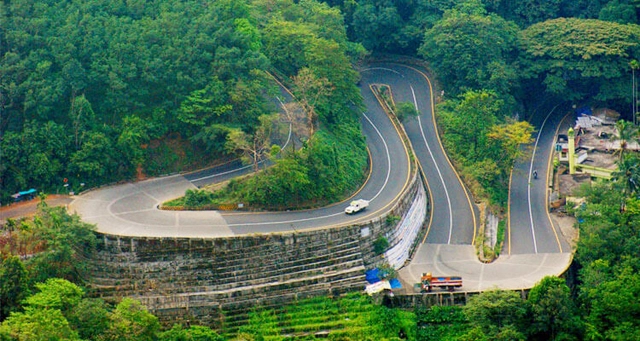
point(352, 317)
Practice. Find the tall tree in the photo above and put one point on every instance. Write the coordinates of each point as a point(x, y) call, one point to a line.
point(55, 293)
point(13, 285)
point(554, 314)
point(505, 142)
point(377, 25)
point(310, 89)
point(621, 12)
point(580, 59)
point(482, 141)
point(453, 47)
point(43, 316)
point(613, 306)
point(284, 42)
point(628, 173)
point(497, 310)
point(529, 12)
point(256, 147)
point(467, 122)
point(89, 318)
point(38, 325)
point(131, 142)
point(82, 118)
point(625, 132)
point(96, 161)
point(131, 321)
point(66, 240)
point(205, 106)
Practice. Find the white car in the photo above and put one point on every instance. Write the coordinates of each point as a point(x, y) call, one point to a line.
point(356, 206)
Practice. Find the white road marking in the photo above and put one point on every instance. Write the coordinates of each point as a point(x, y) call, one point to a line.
point(223, 173)
point(383, 68)
point(446, 192)
point(339, 213)
point(386, 148)
point(535, 148)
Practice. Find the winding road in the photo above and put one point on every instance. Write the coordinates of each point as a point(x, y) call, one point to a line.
point(131, 209)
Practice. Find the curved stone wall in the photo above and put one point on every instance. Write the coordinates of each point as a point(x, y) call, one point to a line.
point(181, 279)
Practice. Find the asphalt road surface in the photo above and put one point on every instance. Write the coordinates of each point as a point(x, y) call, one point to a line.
point(530, 228)
point(448, 249)
point(453, 219)
point(131, 209)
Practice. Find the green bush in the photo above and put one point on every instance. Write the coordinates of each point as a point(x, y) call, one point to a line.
point(392, 219)
point(197, 198)
point(500, 238)
point(380, 245)
point(405, 110)
point(329, 167)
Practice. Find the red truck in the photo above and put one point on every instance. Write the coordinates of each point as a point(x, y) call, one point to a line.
point(446, 282)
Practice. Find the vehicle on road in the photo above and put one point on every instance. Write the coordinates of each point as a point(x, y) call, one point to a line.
point(428, 282)
point(356, 206)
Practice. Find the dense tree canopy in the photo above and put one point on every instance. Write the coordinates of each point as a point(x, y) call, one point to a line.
point(608, 249)
point(98, 91)
point(397, 26)
point(13, 284)
point(581, 59)
point(470, 49)
point(97, 81)
point(547, 314)
point(496, 311)
point(482, 141)
point(53, 244)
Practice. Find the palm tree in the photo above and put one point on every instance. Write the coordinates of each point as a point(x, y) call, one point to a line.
point(628, 173)
point(625, 131)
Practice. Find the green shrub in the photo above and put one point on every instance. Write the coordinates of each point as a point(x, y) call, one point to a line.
point(197, 198)
point(405, 110)
point(500, 238)
point(380, 245)
point(330, 166)
point(392, 219)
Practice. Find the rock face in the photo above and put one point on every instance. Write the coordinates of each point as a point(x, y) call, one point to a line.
point(184, 279)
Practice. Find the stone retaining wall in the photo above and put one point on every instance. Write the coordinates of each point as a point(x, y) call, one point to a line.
point(189, 279)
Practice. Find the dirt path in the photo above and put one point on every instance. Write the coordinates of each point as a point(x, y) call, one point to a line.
point(28, 208)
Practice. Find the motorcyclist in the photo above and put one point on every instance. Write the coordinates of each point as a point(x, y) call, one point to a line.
point(535, 173)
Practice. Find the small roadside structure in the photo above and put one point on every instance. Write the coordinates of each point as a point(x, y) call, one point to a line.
point(589, 146)
point(588, 150)
point(24, 195)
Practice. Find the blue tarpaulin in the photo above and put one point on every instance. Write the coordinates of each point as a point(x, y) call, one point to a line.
point(24, 195)
point(31, 191)
point(372, 276)
point(395, 283)
point(584, 111)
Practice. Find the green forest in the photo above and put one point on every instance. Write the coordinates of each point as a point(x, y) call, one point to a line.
point(99, 91)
